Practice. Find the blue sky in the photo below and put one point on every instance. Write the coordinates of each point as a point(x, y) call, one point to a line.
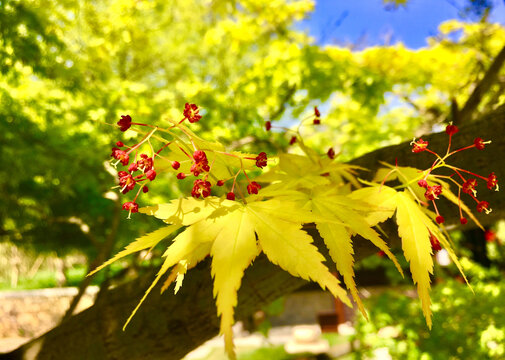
point(367, 21)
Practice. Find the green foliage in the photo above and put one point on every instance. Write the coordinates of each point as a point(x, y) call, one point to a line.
point(464, 325)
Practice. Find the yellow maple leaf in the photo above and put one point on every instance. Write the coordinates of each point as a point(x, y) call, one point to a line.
point(416, 246)
point(147, 241)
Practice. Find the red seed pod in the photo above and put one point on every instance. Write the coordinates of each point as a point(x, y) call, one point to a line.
point(181, 176)
point(220, 183)
point(293, 140)
point(119, 144)
point(463, 221)
point(331, 153)
point(439, 219)
point(176, 165)
point(145, 189)
point(316, 112)
point(268, 125)
point(316, 122)
point(230, 196)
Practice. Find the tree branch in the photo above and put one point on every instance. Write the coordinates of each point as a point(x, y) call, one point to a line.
point(481, 89)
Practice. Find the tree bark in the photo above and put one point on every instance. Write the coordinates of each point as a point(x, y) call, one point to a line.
point(169, 326)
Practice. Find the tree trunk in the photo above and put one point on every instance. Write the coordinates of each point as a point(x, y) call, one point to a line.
point(169, 326)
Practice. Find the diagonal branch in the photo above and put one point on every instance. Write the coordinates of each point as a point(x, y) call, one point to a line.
point(490, 77)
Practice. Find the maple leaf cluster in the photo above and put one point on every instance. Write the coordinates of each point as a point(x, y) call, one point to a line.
point(301, 189)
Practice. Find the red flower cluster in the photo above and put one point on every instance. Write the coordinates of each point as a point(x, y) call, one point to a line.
point(142, 168)
point(201, 188)
point(200, 163)
point(125, 122)
point(419, 145)
point(467, 185)
point(261, 160)
point(253, 187)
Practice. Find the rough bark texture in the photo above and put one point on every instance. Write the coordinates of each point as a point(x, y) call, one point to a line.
point(167, 326)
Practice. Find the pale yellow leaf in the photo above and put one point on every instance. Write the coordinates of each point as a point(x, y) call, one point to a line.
point(381, 199)
point(338, 241)
point(183, 245)
point(187, 211)
point(286, 245)
point(144, 242)
point(232, 252)
point(416, 247)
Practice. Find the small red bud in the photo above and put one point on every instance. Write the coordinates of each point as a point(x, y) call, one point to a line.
point(230, 196)
point(145, 189)
point(381, 253)
point(316, 122)
point(181, 176)
point(268, 125)
point(220, 183)
point(463, 221)
point(133, 167)
point(293, 140)
point(490, 235)
point(119, 144)
point(422, 183)
point(175, 165)
point(435, 243)
point(439, 219)
point(451, 129)
point(331, 153)
point(151, 175)
point(316, 112)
